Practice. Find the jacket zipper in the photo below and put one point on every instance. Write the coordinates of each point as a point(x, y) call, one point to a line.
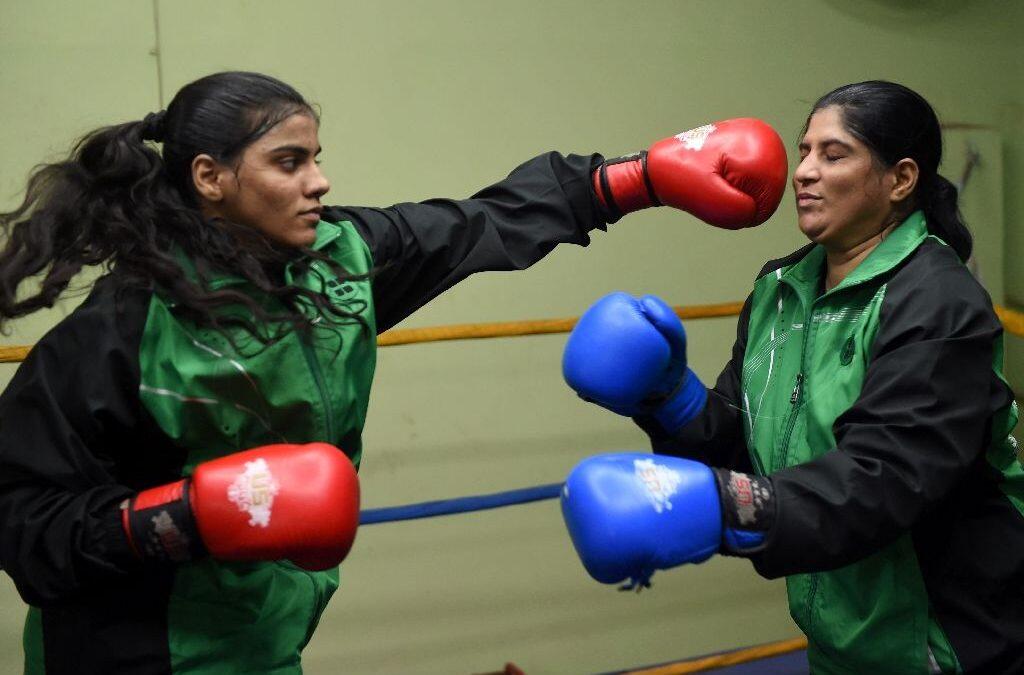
point(318, 604)
point(811, 594)
point(795, 396)
point(318, 377)
point(794, 401)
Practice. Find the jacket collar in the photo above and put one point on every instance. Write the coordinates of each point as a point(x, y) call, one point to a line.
point(805, 276)
point(325, 234)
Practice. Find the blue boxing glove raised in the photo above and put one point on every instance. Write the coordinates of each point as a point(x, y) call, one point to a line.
point(629, 514)
point(629, 356)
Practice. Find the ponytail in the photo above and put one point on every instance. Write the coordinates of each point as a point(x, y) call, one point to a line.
point(938, 198)
point(78, 212)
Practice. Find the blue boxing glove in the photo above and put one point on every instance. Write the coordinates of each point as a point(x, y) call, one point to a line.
point(629, 514)
point(629, 356)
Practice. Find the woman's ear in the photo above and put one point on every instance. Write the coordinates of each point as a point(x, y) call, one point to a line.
point(208, 178)
point(905, 173)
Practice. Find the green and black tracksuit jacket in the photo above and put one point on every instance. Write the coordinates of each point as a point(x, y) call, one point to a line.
point(126, 394)
point(880, 412)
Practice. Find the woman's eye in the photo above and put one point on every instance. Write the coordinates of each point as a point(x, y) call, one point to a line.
point(833, 158)
point(288, 164)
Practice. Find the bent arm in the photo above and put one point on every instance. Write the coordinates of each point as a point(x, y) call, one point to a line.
point(919, 427)
point(73, 445)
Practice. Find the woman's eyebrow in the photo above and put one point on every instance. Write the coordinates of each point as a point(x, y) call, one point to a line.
point(804, 145)
point(296, 149)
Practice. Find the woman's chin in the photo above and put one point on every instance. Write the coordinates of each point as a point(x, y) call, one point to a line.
point(813, 229)
point(304, 237)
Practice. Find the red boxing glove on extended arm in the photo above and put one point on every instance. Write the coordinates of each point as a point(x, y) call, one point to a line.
point(729, 174)
point(299, 502)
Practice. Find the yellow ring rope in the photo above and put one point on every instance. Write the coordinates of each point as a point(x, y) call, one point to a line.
point(728, 659)
point(474, 331)
point(1013, 323)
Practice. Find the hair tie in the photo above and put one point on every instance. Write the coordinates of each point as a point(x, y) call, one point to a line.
point(153, 126)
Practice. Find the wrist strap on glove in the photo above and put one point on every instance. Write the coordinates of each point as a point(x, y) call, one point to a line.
point(607, 197)
point(678, 408)
point(748, 511)
point(159, 524)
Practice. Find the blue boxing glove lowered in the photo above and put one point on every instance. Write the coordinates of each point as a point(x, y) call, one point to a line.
point(629, 514)
point(629, 355)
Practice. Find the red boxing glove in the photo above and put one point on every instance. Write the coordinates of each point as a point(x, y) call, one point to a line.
point(729, 174)
point(299, 502)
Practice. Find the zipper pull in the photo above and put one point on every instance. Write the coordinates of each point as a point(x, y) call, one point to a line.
point(796, 390)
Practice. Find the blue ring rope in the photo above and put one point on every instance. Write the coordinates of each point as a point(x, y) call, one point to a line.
point(444, 507)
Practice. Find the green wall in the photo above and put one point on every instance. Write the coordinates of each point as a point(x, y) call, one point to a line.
point(439, 99)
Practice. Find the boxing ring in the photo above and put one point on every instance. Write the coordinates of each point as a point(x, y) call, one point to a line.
point(786, 657)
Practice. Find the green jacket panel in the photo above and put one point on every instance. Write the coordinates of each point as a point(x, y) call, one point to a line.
point(215, 396)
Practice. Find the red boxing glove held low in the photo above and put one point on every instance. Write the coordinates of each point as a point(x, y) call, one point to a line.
point(299, 502)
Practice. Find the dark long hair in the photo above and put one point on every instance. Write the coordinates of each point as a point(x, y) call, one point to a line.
point(896, 123)
point(117, 201)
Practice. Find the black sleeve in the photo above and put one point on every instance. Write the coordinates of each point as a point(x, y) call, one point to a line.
point(715, 436)
point(920, 424)
point(422, 249)
point(68, 416)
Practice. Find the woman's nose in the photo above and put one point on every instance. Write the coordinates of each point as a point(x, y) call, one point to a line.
point(806, 171)
point(318, 185)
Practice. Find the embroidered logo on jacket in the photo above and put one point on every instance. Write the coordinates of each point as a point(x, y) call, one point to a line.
point(253, 492)
point(846, 356)
point(660, 481)
point(340, 290)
